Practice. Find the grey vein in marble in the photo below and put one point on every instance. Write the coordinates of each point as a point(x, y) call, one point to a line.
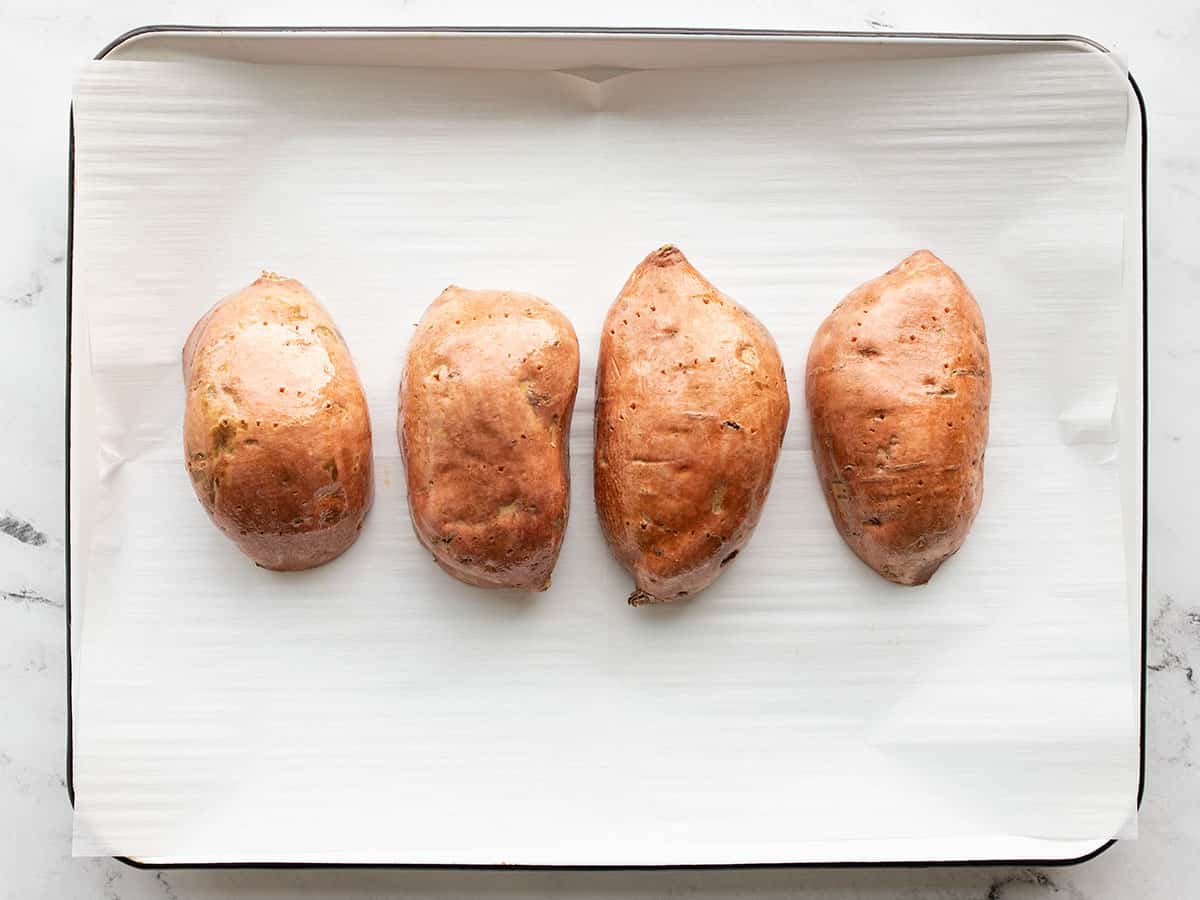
point(166, 886)
point(28, 298)
point(30, 598)
point(36, 282)
point(1169, 623)
point(21, 531)
point(998, 889)
point(111, 877)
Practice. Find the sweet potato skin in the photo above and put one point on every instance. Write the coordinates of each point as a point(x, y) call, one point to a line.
point(898, 386)
point(484, 418)
point(691, 410)
point(277, 438)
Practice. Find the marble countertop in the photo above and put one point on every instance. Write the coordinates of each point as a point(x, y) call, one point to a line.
point(44, 41)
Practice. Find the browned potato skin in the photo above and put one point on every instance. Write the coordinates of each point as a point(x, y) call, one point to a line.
point(898, 385)
point(691, 409)
point(275, 429)
point(484, 420)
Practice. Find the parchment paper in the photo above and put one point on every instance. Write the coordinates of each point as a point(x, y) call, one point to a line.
point(374, 710)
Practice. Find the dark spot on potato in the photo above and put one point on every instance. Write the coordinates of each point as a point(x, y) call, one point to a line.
point(534, 399)
point(730, 557)
point(874, 520)
point(729, 423)
point(222, 435)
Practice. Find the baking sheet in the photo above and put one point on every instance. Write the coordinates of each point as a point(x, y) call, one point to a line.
point(376, 711)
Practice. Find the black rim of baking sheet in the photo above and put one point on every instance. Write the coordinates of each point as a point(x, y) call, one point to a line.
point(517, 31)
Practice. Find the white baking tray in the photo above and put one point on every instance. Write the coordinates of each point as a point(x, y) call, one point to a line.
point(739, 629)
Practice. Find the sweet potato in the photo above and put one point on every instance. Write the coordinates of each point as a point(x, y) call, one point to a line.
point(898, 385)
point(275, 428)
point(484, 420)
point(691, 409)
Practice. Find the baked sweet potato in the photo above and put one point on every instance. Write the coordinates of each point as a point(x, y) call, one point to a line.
point(691, 409)
point(484, 420)
point(275, 428)
point(898, 385)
